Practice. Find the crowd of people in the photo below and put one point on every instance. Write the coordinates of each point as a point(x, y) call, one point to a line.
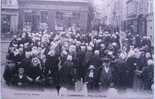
point(100, 59)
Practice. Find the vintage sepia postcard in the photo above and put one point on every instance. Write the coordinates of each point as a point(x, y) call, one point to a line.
point(77, 49)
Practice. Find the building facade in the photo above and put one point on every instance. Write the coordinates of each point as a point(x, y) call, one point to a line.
point(53, 14)
point(9, 16)
point(132, 16)
point(117, 15)
point(140, 17)
point(150, 20)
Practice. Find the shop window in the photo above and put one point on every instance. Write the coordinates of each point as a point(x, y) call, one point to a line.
point(44, 16)
point(27, 21)
point(28, 18)
point(59, 15)
point(151, 27)
point(4, 2)
point(6, 21)
point(59, 18)
point(10, 2)
point(76, 15)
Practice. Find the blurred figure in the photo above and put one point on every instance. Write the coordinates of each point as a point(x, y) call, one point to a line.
point(9, 71)
point(67, 73)
point(51, 66)
point(90, 77)
point(147, 75)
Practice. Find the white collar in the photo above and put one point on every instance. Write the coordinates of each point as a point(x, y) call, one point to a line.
point(106, 69)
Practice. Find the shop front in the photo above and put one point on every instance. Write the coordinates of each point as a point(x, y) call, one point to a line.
point(51, 15)
point(9, 17)
point(132, 25)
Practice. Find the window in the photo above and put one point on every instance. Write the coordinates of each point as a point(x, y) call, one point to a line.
point(76, 15)
point(150, 6)
point(4, 2)
point(10, 2)
point(59, 22)
point(27, 21)
point(28, 17)
point(59, 15)
point(44, 16)
point(6, 21)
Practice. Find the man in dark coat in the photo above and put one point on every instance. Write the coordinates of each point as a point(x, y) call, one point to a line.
point(133, 67)
point(102, 50)
point(120, 77)
point(147, 75)
point(14, 42)
point(130, 64)
point(88, 55)
point(104, 75)
point(34, 72)
point(81, 61)
point(96, 61)
point(25, 63)
point(137, 41)
point(9, 71)
point(146, 41)
point(51, 66)
point(66, 73)
point(19, 77)
point(25, 38)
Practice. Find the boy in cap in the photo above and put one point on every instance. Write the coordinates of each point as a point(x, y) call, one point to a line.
point(90, 77)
